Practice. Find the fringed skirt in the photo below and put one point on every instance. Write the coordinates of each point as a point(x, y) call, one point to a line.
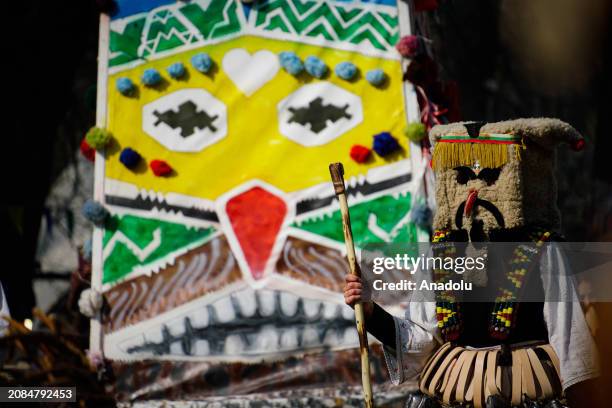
point(458, 375)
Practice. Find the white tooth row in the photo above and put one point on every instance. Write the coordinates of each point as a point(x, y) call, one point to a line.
point(122, 189)
point(269, 339)
point(247, 303)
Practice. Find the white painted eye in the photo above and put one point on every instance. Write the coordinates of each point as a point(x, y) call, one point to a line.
point(185, 121)
point(318, 113)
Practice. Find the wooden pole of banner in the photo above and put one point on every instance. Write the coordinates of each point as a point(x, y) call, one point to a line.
point(337, 175)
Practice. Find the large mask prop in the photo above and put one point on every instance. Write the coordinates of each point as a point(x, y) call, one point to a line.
point(236, 255)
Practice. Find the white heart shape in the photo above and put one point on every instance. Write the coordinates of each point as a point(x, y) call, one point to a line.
point(250, 72)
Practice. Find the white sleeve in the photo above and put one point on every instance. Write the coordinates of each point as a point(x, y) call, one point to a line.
point(568, 332)
point(415, 339)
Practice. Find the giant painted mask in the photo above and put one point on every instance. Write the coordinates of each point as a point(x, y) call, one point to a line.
point(237, 254)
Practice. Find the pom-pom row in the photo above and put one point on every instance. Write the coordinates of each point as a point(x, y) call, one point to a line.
point(131, 159)
point(98, 138)
point(151, 77)
point(316, 67)
point(290, 62)
point(383, 144)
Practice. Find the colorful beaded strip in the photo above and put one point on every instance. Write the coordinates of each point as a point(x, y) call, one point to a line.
point(505, 310)
point(503, 316)
point(448, 310)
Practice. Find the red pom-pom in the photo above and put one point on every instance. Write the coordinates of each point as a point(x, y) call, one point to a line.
point(425, 5)
point(87, 151)
point(360, 153)
point(578, 145)
point(160, 168)
point(409, 46)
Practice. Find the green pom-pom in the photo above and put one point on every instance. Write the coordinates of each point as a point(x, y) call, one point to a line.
point(415, 131)
point(98, 138)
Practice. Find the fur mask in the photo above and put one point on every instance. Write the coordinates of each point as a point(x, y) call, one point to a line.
point(498, 175)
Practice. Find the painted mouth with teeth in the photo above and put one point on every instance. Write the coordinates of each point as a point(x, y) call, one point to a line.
point(246, 323)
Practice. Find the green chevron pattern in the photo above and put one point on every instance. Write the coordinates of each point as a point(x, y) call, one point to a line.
point(132, 242)
point(381, 220)
point(170, 27)
point(350, 23)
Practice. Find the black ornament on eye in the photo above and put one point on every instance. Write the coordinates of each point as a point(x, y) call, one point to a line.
point(464, 174)
point(188, 117)
point(317, 114)
point(489, 176)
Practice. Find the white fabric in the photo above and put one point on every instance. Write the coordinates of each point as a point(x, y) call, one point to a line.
point(418, 336)
point(568, 332)
point(90, 302)
point(4, 311)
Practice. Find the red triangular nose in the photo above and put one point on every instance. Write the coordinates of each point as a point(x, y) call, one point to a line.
point(256, 217)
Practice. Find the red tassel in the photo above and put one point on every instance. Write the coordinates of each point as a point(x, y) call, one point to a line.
point(578, 145)
point(87, 151)
point(409, 46)
point(160, 168)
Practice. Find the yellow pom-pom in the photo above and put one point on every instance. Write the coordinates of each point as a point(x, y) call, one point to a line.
point(98, 137)
point(415, 131)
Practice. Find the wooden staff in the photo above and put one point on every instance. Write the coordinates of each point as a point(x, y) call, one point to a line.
point(337, 175)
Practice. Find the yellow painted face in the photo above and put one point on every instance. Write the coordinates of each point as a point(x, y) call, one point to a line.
point(254, 146)
point(247, 223)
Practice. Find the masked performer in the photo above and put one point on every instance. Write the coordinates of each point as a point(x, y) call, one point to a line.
point(495, 182)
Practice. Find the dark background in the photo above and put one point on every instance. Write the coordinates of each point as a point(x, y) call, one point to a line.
point(513, 58)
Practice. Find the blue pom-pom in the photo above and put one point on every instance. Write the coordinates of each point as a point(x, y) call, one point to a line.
point(385, 144)
point(130, 158)
point(202, 62)
point(286, 56)
point(315, 67)
point(87, 249)
point(376, 77)
point(421, 215)
point(176, 70)
point(291, 62)
point(94, 212)
point(346, 70)
point(151, 77)
point(125, 86)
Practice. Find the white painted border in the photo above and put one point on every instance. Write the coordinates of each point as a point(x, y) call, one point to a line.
point(95, 334)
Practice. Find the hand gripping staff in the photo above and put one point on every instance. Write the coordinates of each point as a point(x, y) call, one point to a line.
point(337, 175)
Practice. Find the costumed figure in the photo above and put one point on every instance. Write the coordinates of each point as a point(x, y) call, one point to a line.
point(494, 182)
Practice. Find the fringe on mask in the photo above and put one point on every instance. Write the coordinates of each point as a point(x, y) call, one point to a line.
point(489, 155)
